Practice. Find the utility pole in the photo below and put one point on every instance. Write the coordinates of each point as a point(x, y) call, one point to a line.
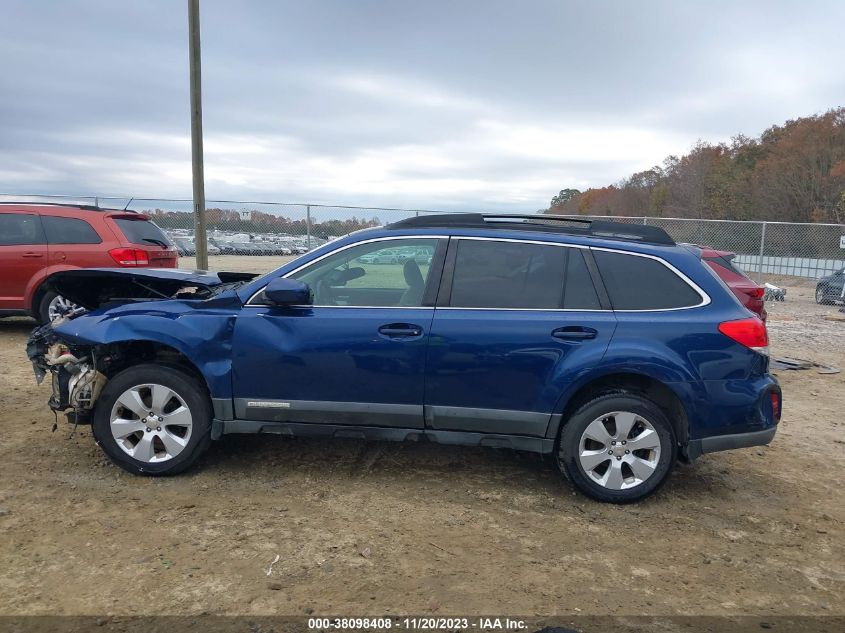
point(200, 237)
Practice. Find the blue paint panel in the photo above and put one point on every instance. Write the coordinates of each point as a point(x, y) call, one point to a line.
point(331, 354)
point(508, 360)
point(202, 331)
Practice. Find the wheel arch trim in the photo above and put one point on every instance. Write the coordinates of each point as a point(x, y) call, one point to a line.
point(669, 397)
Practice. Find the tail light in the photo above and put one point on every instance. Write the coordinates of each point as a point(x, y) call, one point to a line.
point(130, 256)
point(756, 293)
point(749, 332)
point(775, 405)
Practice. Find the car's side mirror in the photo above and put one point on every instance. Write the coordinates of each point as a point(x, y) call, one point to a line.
point(288, 292)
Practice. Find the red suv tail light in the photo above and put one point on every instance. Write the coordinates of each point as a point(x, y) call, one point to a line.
point(130, 256)
point(756, 293)
point(749, 332)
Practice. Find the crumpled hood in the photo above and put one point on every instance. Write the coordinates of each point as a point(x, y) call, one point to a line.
point(93, 287)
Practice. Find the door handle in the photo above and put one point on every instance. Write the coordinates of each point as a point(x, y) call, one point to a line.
point(574, 333)
point(33, 255)
point(400, 329)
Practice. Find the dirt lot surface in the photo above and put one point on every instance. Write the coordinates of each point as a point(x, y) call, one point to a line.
point(371, 528)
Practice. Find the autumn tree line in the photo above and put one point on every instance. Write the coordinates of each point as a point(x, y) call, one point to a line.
point(793, 172)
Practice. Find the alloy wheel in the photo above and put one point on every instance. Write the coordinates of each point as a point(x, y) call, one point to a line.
point(151, 423)
point(58, 307)
point(619, 450)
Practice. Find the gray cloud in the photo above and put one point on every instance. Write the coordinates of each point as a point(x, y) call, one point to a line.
point(425, 104)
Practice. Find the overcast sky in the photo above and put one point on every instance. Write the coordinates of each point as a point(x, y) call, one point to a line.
point(427, 104)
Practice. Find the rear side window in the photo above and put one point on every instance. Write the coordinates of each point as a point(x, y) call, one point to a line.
point(20, 228)
point(142, 232)
point(492, 274)
point(69, 231)
point(642, 283)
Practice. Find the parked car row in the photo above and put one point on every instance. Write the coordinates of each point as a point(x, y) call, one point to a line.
point(220, 246)
point(399, 256)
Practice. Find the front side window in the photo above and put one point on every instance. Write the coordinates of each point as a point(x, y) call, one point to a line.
point(387, 273)
point(514, 275)
point(69, 231)
point(20, 228)
point(642, 283)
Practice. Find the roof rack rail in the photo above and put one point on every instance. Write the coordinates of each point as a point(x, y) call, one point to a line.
point(540, 222)
point(74, 205)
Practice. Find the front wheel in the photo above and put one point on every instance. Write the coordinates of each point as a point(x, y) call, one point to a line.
point(153, 420)
point(54, 306)
point(617, 448)
point(821, 299)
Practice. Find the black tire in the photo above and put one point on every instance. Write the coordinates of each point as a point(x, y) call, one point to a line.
point(569, 444)
point(42, 311)
point(191, 390)
point(821, 295)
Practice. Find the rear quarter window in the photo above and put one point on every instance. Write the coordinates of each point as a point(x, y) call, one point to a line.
point(142, 232)
point(642, 283)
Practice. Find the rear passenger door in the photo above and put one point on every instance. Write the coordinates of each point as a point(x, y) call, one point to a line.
point(516, 321)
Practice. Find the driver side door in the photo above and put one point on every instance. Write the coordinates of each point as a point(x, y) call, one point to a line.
point(357, 355)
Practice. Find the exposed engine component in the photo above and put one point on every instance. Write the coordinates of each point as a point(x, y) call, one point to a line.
point(76, 380)
point(84, 387)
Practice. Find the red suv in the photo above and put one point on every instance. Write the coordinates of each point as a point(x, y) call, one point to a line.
point(749, 293)
point(37, 240)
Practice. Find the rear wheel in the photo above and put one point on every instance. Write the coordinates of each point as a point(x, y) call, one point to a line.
point(617, 448)
point(821, 295)
point(153, 420)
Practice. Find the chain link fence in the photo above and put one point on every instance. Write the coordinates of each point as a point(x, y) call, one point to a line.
point(764, 250)
point(258, 236)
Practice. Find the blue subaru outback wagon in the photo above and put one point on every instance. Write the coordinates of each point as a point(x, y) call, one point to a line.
point(606, 345)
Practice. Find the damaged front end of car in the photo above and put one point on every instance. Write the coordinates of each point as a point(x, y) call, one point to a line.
point(109, 331)
point(76, 379)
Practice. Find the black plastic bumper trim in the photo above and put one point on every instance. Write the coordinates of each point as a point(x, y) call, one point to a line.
point(297, 429)
point(717, 443)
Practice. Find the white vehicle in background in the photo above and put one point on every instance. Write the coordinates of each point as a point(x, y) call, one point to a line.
point(383, 256)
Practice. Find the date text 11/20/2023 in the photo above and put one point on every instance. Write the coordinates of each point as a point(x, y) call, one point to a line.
point(418, 624)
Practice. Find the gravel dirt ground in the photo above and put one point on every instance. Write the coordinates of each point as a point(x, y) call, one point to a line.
point(374, 529)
